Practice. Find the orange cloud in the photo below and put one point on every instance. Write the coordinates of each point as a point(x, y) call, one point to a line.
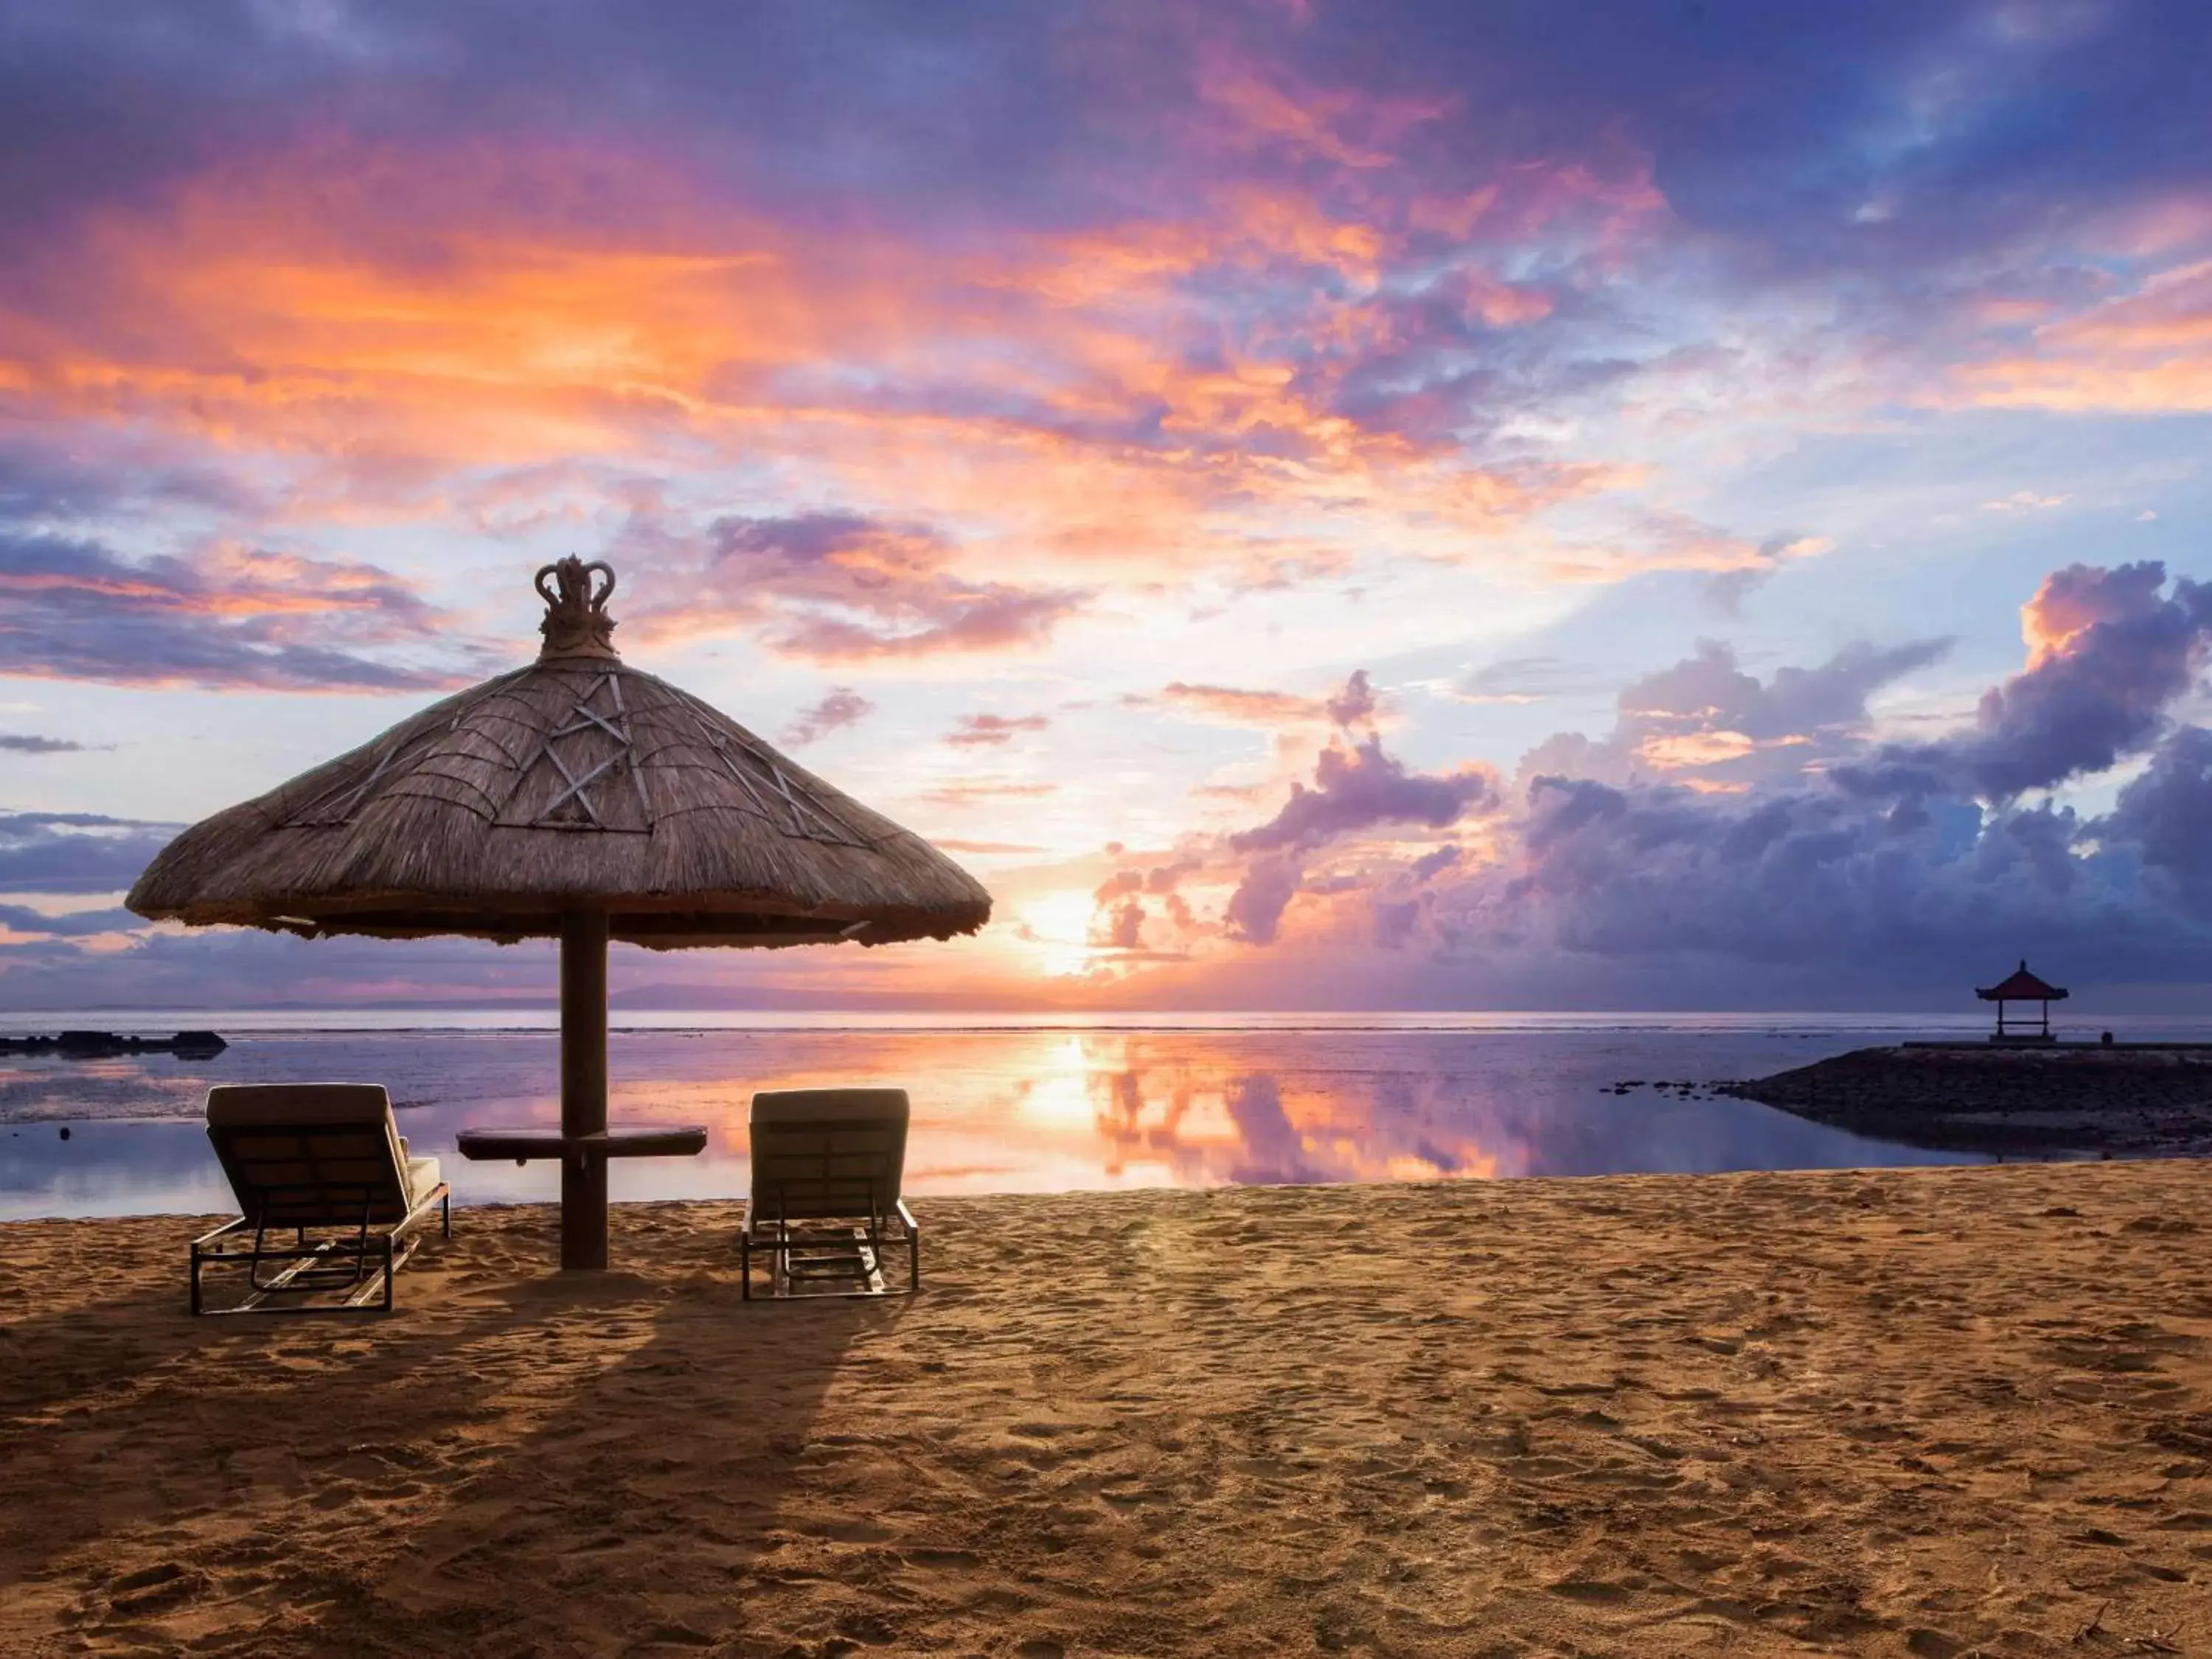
point(1240, 707)
point(397, 325)
point(971, 794)
point(2147, 352)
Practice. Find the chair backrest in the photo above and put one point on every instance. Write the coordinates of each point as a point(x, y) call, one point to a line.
point(310, 1154)
point(827, 1154)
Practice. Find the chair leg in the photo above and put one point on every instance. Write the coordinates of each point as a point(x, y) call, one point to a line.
point(744, 1267)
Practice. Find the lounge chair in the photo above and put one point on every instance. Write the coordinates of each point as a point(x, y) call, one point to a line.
point(825, 1200)
point(325, 1157)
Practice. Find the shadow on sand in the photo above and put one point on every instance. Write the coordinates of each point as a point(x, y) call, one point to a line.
point(639, 1506)
point(518, 1462)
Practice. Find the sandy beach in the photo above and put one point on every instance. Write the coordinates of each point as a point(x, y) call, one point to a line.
point(1927, 1413)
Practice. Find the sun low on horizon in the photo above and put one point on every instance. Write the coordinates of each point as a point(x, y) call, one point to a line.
point(1316, 507)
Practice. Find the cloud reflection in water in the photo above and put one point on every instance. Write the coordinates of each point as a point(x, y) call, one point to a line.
point(996, 1111)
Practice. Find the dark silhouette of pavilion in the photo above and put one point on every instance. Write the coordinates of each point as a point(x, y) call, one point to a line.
point(2022, 986)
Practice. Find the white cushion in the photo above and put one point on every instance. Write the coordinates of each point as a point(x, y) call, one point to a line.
point(827, 1152)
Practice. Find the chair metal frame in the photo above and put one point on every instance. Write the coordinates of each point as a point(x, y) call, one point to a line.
point(341, 1263)
point(826, 1228)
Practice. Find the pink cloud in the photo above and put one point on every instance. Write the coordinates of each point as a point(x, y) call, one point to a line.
point(840, 706)
point(982, 731)
point(2149, 351)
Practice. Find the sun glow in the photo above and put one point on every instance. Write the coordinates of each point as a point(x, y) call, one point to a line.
point(1056, 927)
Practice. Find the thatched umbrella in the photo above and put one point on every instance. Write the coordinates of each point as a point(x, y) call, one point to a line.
point(575, 799)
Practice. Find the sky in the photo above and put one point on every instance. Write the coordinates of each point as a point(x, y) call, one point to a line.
point(1625, 504)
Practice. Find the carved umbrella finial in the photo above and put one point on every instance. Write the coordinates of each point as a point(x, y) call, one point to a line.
point(576, 621)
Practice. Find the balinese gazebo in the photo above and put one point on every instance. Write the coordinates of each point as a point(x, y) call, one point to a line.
point(2020, 986)
point(576, 799)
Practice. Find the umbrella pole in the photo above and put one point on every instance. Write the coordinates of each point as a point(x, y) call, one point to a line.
point(583, 1086)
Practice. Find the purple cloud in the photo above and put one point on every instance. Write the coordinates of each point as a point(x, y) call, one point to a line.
point(842, 586)
point(19, 919)
point(1354, 702)
point(76, 851)
point(2165, 813)
point(1126, 929)
point(1395, 921)
point(1704, 715)
point(1256, 908)
point(1361, 788)
point(1441, 857)
point(2111, 651)
point(230, 620)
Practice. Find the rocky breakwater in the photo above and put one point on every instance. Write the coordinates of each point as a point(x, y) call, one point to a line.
point(2064, 1101)
point(106, 1045)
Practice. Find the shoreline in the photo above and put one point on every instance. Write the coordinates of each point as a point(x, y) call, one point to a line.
point(1872, 1411)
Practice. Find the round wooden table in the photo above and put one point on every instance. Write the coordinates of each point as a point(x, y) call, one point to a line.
point(584, 1153)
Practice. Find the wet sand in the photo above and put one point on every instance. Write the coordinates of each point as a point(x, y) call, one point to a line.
point(1922, 1413)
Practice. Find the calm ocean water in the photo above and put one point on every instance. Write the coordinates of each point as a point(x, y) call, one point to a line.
point(1007, 1105)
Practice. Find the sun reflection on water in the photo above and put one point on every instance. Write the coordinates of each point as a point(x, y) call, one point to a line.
point(993, 1111)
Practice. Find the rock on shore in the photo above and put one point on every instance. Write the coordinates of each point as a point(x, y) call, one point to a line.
point(2047, 1103)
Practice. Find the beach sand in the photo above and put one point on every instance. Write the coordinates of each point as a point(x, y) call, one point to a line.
point(1917, 1413)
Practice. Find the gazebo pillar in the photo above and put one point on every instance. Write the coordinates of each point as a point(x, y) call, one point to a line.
point(583, 1087)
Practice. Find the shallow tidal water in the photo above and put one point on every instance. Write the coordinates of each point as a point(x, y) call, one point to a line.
point(1032, 1108)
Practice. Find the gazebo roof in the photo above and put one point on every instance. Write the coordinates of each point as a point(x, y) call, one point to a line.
point(2022, 987)
point(574, 783)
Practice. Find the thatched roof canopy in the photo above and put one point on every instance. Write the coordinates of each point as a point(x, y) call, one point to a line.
point(574, 783)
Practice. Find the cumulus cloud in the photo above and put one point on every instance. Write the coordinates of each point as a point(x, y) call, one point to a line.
point(840, 706)
point(1354, 702)
point(2109, 651)
point(1125, 930)
point(1256, 908)
point(989, 731)
point(1705, 719)
point(1725, 825)
point(1395, 920)
point(1361, 788)
point(1436, 858)
point(2164, 814)
point(1807, 868)
point(229, 618)
point(1792, 878)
